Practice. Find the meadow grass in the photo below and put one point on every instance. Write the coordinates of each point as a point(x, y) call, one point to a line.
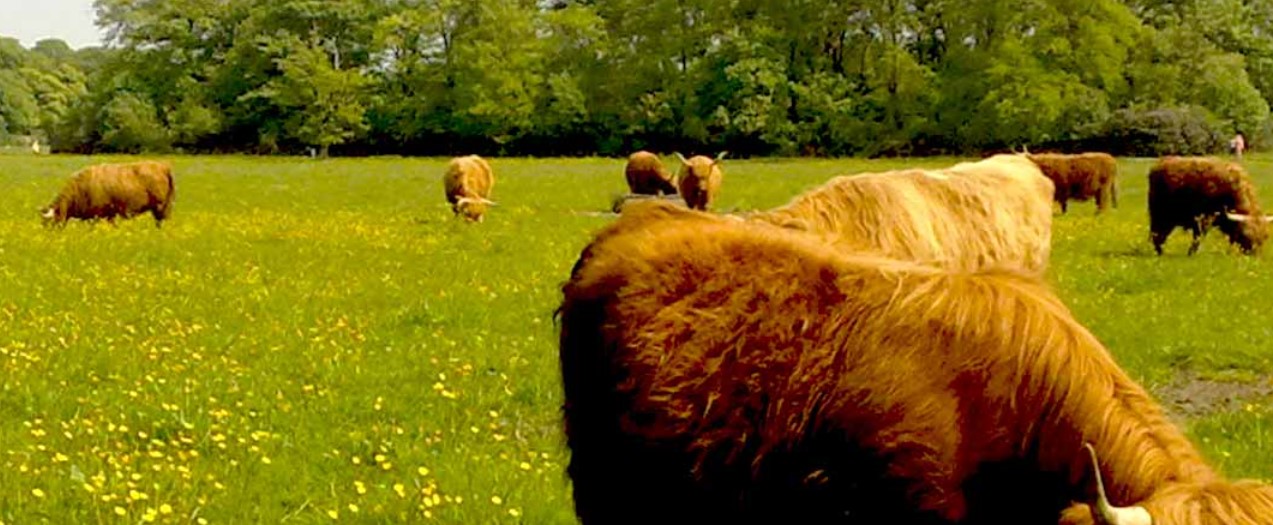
point(308, 341)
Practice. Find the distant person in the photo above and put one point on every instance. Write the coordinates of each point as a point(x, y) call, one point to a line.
point(1237, 145)
point(35, 146)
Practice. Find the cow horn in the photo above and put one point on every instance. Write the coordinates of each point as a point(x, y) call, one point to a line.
point(1236, 217)
point(1105, 514)
point(682, 158)
point(1268, 218)
point(489, 202)
point(47, 213)
point(720, 156)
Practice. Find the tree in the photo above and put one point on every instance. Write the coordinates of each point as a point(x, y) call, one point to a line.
point(822, 77)
point(324, 103)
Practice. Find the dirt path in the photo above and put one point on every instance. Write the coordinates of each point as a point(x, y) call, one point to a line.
point(1190, 396)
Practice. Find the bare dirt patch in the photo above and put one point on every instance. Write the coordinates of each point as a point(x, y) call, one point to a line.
point(1190, 396)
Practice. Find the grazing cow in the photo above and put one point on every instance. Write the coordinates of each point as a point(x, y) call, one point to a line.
point(1195, 193)
point(107, 191)
point(1081, 177)
point(647, 176)
point(993, 211)
point(700, 179)
point(468, 182)
point(720, 371)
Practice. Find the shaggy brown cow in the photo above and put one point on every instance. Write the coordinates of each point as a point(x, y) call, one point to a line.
point(720, 371)
point(1195, 193)
point(700, 180)
point(994, 211)
point(1081, 177)
point(620, 201)
point(468, 182)
point(108, 191)
point(647, 176)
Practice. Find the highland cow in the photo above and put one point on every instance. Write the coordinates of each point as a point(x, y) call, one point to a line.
point(973, 214)
point(468, 182)
point(700, 180)
point(618, 203)
point(1081, 177)
point(720, 371)
point(647, 176)
point(1196, 193)
point(110, 191)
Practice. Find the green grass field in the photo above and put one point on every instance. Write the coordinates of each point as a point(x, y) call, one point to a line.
point(308, 341)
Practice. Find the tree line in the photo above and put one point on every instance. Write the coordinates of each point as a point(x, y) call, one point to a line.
point(582, 77)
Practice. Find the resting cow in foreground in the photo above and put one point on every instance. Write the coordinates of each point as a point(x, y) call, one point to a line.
point(993, 211)
point(108, 191)
point(718, 371)
point(700, 180)
point(1195, 193)
point(647, 176)
point(468, 182)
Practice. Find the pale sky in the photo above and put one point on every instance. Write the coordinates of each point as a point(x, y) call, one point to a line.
point(33, 20)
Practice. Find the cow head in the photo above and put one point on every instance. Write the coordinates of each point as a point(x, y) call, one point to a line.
point(472, 209)
point(1247, 231)
point(48, 214)
point(1103, 513)
point(703, 160)
point(699, 165)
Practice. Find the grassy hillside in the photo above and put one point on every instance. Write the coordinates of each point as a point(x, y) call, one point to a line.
point(318, 340)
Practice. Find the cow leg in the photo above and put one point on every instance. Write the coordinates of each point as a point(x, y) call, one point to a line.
point(1197, 239)
point(1159, 230)
point(1158, 238)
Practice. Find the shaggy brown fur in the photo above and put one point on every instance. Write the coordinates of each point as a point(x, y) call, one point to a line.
point(108, 191)
point(1194, 193)
point(974, 214)
point(1081, 177)
point(468, 182)
point(700, 180)
point(720, 371)
point(620, 201)
point(647, 176)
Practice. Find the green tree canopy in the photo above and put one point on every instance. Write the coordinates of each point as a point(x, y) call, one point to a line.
point(756, 77)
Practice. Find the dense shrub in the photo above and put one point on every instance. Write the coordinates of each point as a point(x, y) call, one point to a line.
point(1185, 130)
